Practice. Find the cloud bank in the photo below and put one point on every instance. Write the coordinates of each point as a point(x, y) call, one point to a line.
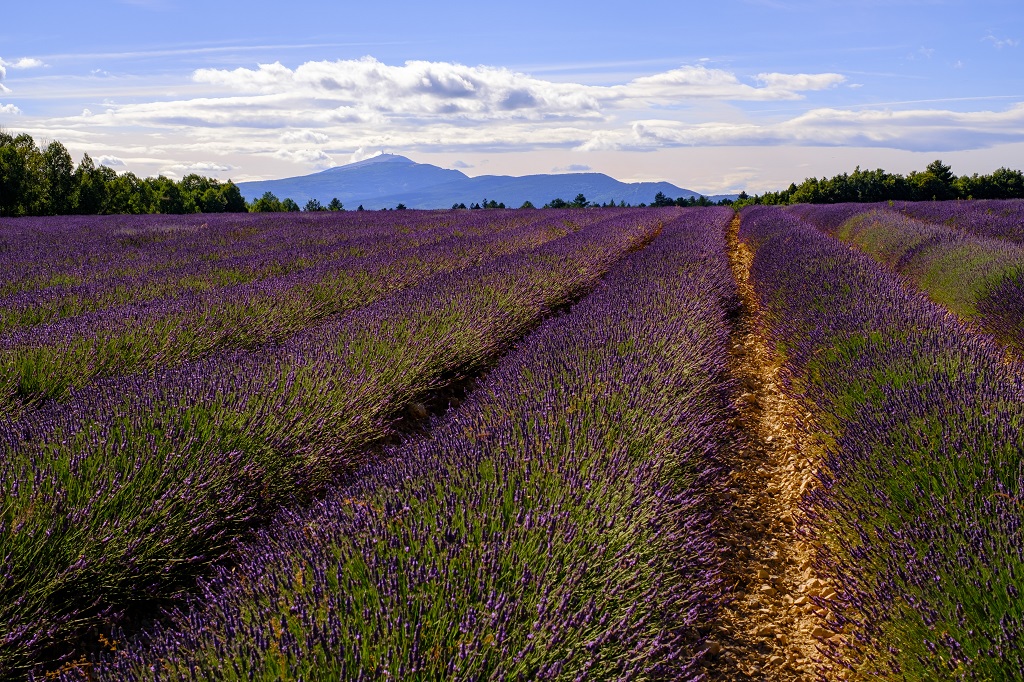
point(325, 112)
point(910, 130)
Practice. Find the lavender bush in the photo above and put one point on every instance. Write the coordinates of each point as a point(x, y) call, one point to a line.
point(562, 524)
point(919, 510)
point(980, 279)
point(44, 361)
point(132, 484)
point(999, 219)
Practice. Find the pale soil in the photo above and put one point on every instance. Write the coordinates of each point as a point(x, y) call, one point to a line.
point(771, 630)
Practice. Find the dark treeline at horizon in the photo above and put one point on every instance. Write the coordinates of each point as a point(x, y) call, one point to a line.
point(38, 181)
point(936, 183)
point(45, 181)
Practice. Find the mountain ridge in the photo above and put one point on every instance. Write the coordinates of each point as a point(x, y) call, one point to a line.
point(385, 180)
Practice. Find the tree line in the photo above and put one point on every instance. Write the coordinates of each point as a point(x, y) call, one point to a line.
point(936, 183)
point(45, 181)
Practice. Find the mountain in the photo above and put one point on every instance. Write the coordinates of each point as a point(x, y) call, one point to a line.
point(386, 180)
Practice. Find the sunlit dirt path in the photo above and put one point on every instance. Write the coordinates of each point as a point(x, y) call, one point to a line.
point(771, 630)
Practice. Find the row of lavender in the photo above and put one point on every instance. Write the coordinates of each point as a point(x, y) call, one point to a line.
point(980, 279)
point(562, 524)
point(125, 490)
point(991, 219)
point(68, 251)
point(44, 361)
point(920, 507)
point(219, 255)
point(998, 219)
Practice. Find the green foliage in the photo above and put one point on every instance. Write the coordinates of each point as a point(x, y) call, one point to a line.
point(661, 200)
point(268, 203)
point(60, 183)
point(936, 182)
point(335, 205)
point(36, 181)
point(22, 191)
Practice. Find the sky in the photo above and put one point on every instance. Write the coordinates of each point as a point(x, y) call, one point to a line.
point(715, 97)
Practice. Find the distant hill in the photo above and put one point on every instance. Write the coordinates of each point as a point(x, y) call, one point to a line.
point(389, 179)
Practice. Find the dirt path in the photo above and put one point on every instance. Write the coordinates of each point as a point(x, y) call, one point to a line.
point(772, 630)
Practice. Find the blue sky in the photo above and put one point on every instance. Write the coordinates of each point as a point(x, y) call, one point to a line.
point(715, 97)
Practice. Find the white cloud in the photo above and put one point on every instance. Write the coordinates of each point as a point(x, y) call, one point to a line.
point(571, 168)
point(271, 116)
point(107, 160)
point(454, 91)
point(1000, 43)
point(699, 82)
point(461, 164)
point(307, 157)
point(263, 111)
point(366, 104)
point(9, 109)
point(22, 63)
point(25, 63)
point(911, 130)
point(362, 154)
point(304, 136)
point(202, 167)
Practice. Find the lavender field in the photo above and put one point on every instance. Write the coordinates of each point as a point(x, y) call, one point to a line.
point(488, 444)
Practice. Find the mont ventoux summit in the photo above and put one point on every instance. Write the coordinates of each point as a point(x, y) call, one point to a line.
point(386, 180)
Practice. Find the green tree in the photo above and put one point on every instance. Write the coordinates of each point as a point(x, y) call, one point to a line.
point(314, 206)
point(168, 196)
point(661, 200)
point(289, 205)
point(60, 179)
point(936, 182)
point(213, 200)
point(13, 176)
point(1007, 184)
point(527, 204)
point(91, 187)
point(193, 188)
point(22, 176)
point(335, 205)
point(234, 202)
point(268, 203)
point(580, 201)
point(123, 193)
